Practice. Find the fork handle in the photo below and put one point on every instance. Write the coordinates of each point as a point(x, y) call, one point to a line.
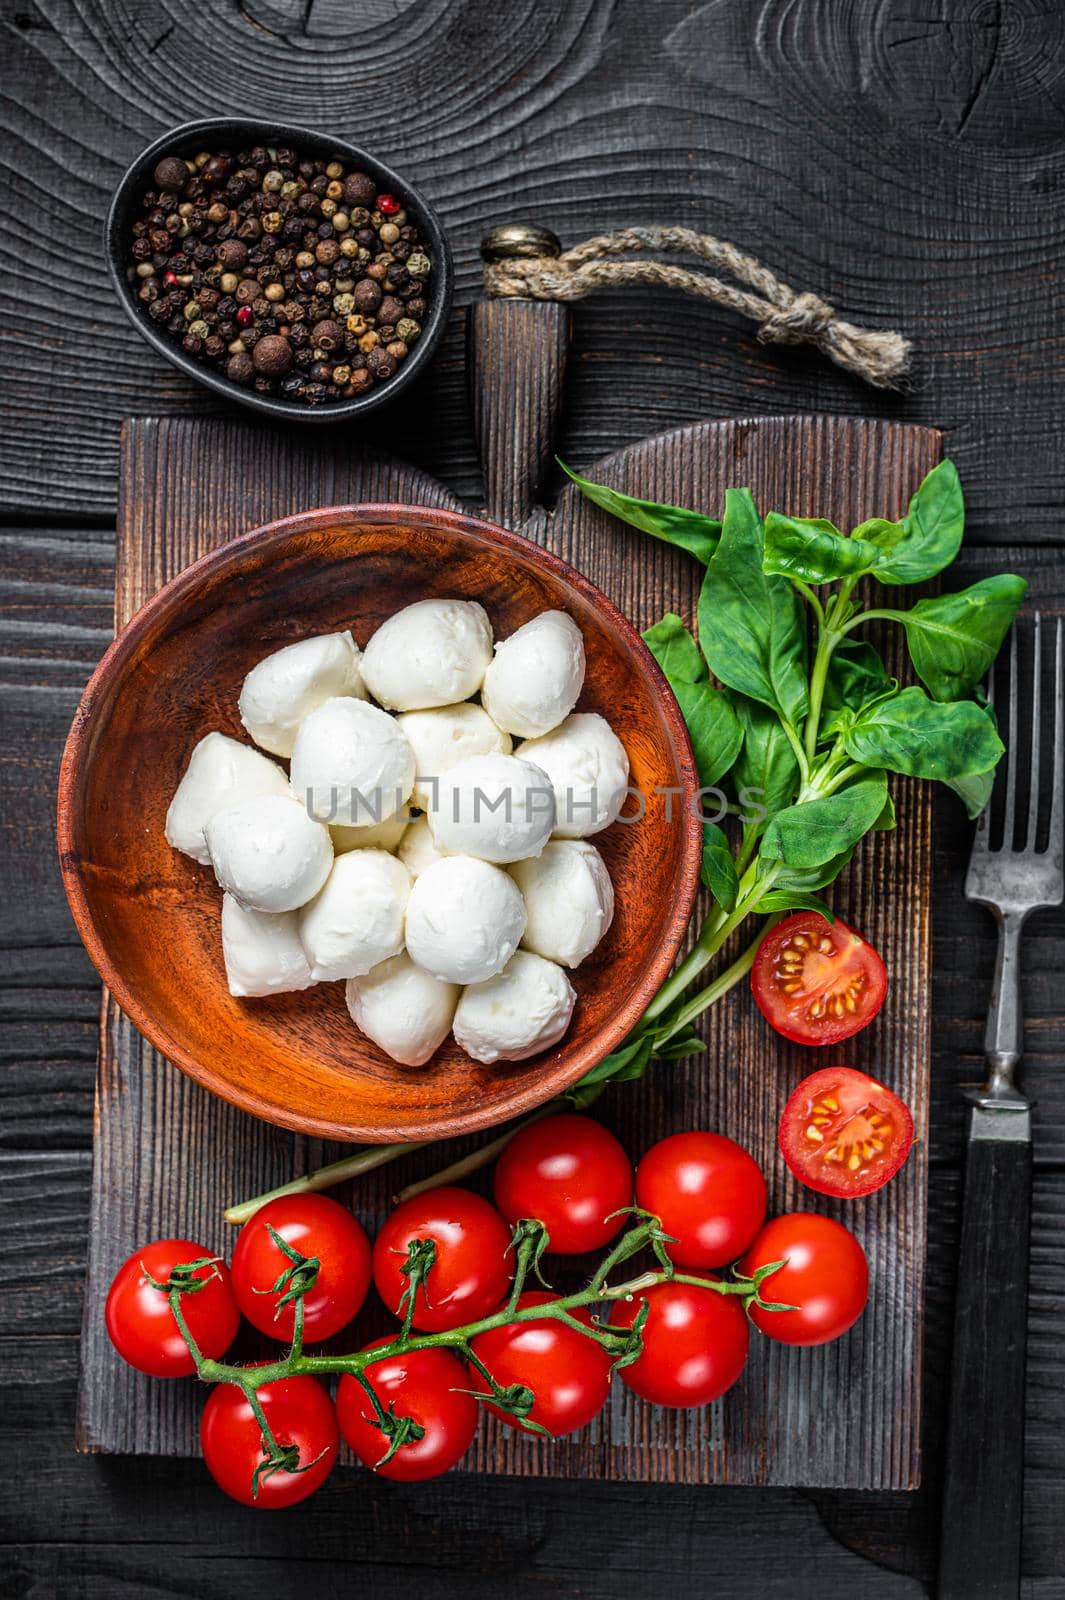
point(980, 1544)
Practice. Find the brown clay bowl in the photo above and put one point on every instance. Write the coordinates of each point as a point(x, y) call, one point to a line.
point(150, 916)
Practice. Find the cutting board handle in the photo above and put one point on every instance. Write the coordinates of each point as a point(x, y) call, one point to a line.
point(516, 361)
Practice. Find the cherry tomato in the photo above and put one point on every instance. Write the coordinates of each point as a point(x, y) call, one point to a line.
point(825, 1276)
point(141, 1323)
point(315, 1226)
point(707, 1192)
point(568, 1373)
point(694, 1343)
point(572, 1174)
point(427, 1385)
point(299, 1412)
point(816, 981)
point(472, 1270)
point(844, 1134)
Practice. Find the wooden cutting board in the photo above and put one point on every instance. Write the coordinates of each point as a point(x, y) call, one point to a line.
point(169, 1157)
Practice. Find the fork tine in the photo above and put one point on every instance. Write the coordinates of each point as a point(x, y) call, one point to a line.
point(1057, 810)
point(1035, 775)
point(1011, 751)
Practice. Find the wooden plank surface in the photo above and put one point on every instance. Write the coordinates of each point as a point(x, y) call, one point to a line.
point(169, 1156)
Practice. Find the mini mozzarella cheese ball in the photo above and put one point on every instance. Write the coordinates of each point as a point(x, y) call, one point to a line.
point(221, 772)
point(357, 919)
point(495, 807)
point(403, 1009)
point(588, 768)
point(372, 836)
point(268, 853)
point(465, 919)
point(416, 849)
point(536, 676)
point(444, 736)
point(524, 1009)
point(262, 951)
point(433, 653)
point(569, 900)
point(351, 764)
point(286, 686)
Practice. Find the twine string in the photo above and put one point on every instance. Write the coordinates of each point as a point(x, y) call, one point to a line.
point(784, 315)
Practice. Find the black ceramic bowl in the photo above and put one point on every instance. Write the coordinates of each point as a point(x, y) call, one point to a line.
point(213, 133)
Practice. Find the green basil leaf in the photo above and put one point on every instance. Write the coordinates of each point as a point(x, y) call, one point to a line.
point(975, 791)
point(856, 674)
point(688, 530)
point(675, 650)
point(719, 869)
point(814, 550)
point(751, 625)
point(765, 772)
point(813, 833)
point(789, 900)
point(629, 1061)
point(887, 820)
point(805, 881)
point(686, 1043)
point(925, 738)
point(715, 732)
point(931, 531)
point(954, 638)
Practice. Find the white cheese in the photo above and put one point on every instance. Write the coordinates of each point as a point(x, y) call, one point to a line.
point(403, 1009)
point(432, 653)
point(495, 807)
point(465, 919)
point(262, 951)
point(372, 836)
point(268, 853)
point(587, 765)
point(523, 1009)
point(536, 676)
point(444, 736)
point(221, 772)
point(357, 919)
point(286, 686)
point(569, 900)
point(351, 764)
point(416, 849)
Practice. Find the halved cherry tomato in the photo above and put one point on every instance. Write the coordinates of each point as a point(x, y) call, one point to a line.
point(844, 1134)
point(817, 981)
point(142, 1325)
point(429, 1386)
point(824, 1278)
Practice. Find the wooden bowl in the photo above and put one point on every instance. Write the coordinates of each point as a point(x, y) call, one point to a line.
point(149, 916)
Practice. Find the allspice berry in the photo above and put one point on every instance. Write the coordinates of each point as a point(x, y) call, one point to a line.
point(240, 368)
point(367, 296)
point(327, 334)
point(171, 173)
point(272, 356)
point(359, 189)
point(390, 310)
point(233, 254)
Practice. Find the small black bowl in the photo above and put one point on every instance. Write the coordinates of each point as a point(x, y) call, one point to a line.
point(213, 133)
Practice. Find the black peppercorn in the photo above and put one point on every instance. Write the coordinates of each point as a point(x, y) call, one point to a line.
point(367, 296)
point(359, 189)
point(215, 170)
point(171, 173)
point(390, 309)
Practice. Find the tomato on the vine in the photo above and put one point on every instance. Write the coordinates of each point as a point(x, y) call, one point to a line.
point(316, 1227)
point(427, 1385)
point(471, 1271)
point(299, 1413)
point(817, 981)
point(568, 1372)
point(141, 1324)
point(573, 1175)
point(695, 1343)
point(843, 1133)
point(825, 1277)
point(707, 1192)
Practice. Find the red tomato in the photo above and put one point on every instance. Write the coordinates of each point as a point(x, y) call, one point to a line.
point(141, 1323)
point(568, 1373)
point(694, 1343)
point(815, 981)
point(825, 1276)
point(844, 1134)
point(299, 1412)
point(707, 1192)
point(424, 1384)
point(572, 1174)
point(316, 1226)
point(472, 1270)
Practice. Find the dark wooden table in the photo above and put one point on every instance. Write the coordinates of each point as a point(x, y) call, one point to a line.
point(909, 164)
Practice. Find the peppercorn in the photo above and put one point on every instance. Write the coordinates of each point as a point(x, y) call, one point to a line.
point(327, 334)
point(381, 363)
point(233, 254)
point(397, 349)
point(361, 380)
point(171, 173)
point(292, 386)
point(418, 264)
point(240, 368)
point(273, 222)
point(388, 233)
point(245, 317)
point(272, 356)
point(250, 228)
point(407, 330)
point(214, 346)
point(417, 307)
point(390, 309)
point(359, 189)
point(367, 295)
point(215, 169)
point(341, 374)
point(368, 342)
point(387, 204)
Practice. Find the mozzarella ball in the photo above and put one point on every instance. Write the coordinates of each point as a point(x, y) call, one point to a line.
point(221, 772)
point(569, 900)
point(284, 687)
point(357, 919)
point(465, 919)
point(351, 764)
point(403, 1009)
point(371, 836)
point(495, 807)
point(444, 736)
point(416, 849)
point(262, 950)
point(525, 1008)
point(268, 853)
point(588, 768)
point(433, 653)
point(536, 676)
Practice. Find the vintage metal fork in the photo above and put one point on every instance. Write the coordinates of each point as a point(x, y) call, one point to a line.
point(983, 1493)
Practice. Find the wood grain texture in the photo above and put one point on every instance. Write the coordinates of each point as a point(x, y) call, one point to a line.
point(517, 353)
